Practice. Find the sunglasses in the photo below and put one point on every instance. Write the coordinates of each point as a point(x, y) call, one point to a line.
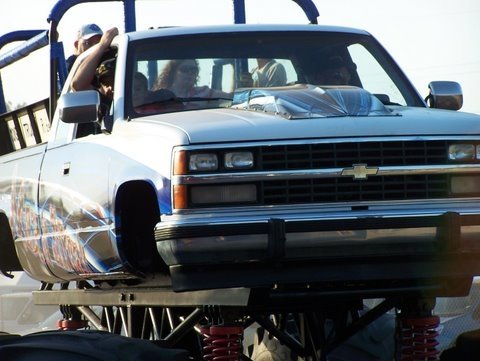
point(92, 41)
point(192, 69)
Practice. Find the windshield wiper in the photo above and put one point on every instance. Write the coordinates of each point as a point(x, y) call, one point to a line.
point(167, 99)
point(202, 99)
point(175, 100)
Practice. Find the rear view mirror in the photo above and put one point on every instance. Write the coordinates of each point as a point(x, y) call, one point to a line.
point(445, 95)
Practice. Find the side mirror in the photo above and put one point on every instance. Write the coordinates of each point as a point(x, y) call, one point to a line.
point(445, 95)
point(79, 107)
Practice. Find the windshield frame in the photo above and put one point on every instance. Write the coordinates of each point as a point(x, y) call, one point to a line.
point(251, 44)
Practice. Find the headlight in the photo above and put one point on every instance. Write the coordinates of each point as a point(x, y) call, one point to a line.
point(239, 160)
point(203, 162)
point(204, 178)
point(462, 152)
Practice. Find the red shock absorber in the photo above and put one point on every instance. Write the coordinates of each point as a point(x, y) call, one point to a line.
point(66, 325)
point(72, 319)
point(418, 338)
point(222, 343)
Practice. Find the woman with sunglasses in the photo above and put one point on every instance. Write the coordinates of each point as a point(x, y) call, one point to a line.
point(181, 77)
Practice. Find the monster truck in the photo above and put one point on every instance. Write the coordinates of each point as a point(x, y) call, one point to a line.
point(286, 206)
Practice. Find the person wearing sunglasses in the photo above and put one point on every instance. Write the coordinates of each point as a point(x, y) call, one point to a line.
point(181, 77)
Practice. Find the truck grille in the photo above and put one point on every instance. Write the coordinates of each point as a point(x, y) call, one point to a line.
point(333, 155)
point(346, 189)
point(374, 188)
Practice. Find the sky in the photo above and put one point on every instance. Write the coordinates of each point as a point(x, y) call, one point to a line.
point(429, 39)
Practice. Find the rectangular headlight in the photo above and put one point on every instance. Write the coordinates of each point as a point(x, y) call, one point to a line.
point(461, 152)
point(203, 162)
point(238, 160)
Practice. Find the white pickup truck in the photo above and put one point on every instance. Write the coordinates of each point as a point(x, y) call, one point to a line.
point(299, 183)
point(356, 190)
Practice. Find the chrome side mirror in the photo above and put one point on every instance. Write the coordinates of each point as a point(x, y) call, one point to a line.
point(79, 107)
point(445, 95)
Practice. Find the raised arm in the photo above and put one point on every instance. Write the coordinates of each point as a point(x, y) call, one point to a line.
point(83, 78)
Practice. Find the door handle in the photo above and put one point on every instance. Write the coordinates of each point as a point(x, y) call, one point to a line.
point(66, 168)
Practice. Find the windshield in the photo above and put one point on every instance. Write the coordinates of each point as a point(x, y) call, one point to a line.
point(180, 73)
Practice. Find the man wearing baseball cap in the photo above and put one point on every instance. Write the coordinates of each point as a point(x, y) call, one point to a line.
point(87, 36)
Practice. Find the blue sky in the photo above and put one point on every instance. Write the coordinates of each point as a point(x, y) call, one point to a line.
point(430, 39)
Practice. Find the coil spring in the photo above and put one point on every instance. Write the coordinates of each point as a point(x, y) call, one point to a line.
point(222, 343)
point(418, 338)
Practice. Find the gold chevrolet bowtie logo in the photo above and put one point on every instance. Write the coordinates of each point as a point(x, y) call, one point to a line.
point(360, 171)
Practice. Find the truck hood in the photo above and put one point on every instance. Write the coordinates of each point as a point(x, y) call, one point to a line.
point(305, 112)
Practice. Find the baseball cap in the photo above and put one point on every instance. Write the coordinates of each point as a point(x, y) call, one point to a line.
point(88, 30)
point(105, 69)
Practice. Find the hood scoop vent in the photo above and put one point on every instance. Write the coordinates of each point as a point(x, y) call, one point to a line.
point(302, 101)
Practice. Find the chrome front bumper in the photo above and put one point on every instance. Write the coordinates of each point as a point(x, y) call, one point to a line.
point(361, 249)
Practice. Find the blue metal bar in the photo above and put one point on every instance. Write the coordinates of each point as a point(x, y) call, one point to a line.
point(20, 35)
point(62, 6)
point(3, 105)
point(130, 17)
point(152, 73)
point(21, 51)
point(57, 52)
point(309, 9)
point(239, 11)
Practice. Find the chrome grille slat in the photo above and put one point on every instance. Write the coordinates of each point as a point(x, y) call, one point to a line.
point(349, 190)
point(331, 155)
point(346, 189)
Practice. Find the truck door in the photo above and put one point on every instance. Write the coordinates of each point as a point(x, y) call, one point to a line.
point(77, 226)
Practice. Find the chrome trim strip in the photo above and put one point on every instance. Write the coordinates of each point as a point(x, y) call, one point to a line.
point(314, 214)
point(321, 173)
point(461, 205)
point(327, 141)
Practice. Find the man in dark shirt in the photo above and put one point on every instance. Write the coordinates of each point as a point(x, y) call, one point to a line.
point(87, 36)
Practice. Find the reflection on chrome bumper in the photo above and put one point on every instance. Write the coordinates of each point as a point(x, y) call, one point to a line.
point(292, 240)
